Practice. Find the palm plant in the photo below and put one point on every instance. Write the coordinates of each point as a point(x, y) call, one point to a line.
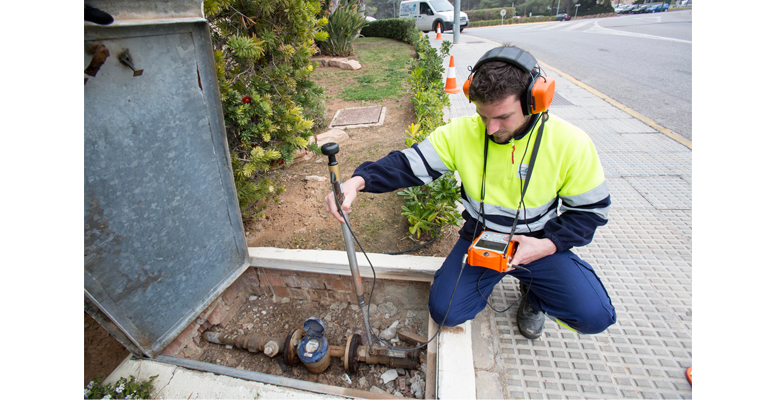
point(343, 27)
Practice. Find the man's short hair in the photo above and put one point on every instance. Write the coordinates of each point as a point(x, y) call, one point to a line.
point(496, 80)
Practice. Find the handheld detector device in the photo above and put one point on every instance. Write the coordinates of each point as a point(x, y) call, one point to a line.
point(492, 250)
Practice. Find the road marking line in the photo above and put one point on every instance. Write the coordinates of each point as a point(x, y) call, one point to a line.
point(540, 27)
point(668, 132)
point(652, 18)
point(577, 25)
point(552, 26)
point(601, 30)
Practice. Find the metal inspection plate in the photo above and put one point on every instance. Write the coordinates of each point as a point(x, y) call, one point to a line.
point(363, 116)
point(163, 230)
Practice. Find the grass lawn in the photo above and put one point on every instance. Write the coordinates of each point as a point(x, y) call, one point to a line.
point(384, 74)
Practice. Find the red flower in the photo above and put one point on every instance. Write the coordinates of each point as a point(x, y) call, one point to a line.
point(246, 99)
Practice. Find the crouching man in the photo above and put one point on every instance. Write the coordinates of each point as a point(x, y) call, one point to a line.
point(494, 153)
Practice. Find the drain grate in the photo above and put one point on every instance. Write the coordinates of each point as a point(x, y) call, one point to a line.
point(560, 101)
point(360, 116)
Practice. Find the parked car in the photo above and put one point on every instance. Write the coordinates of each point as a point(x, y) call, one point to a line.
point(370, 19)
point(657, 8)
point(563, 17)
point(639, 10)
point(627, 9)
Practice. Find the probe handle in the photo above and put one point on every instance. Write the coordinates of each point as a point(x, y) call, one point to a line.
point(338, 193)
point(330, 150)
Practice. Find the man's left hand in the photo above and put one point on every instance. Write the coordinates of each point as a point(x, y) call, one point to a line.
point(530, 249)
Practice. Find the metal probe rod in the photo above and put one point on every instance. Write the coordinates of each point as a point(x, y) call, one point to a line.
point(330, 150)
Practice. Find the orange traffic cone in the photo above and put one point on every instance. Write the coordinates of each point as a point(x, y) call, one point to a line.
point(451, 78)
point(438, 32)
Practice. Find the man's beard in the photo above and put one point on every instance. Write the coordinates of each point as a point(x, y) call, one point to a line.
point(508, 137)
point(519, 131)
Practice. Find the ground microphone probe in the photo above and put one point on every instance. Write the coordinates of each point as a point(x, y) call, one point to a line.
point(330, 150)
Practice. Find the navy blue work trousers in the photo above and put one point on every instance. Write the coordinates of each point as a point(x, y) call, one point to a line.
point(563, 286)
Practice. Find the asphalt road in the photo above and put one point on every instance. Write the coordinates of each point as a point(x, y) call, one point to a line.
point(643, 61)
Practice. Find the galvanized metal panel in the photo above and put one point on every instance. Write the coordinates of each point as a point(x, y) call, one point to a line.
point(163, 230)
point(149, 11)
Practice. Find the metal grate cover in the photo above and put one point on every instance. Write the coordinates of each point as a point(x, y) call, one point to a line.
point(560, 101)
point(357, 116)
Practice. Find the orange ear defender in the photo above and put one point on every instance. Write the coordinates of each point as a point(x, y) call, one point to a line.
point(467, 86)
point(539, 94)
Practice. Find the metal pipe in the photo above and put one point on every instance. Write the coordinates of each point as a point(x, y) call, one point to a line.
point(381, 355)
point(351, 353)
point(255, 342)
point(337, 351)
point(385, 356)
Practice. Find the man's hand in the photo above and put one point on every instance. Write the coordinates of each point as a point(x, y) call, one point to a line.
point(351, 188)
point(530, 249)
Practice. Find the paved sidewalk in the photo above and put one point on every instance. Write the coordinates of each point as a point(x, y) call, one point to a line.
point(643, 256)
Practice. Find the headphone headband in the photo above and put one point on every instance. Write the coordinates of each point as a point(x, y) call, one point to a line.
point(511, 55)
point(539, 92)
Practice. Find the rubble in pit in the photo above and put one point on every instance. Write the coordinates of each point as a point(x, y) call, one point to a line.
point(276, 319)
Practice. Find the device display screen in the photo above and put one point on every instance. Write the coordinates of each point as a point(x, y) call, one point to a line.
point(494, 246)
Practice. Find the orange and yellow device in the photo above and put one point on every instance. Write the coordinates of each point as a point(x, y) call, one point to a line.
point(492, 250)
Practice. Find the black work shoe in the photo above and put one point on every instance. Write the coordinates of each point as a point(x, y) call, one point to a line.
point(530, 322)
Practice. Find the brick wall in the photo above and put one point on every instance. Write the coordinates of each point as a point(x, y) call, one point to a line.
point(323, 288)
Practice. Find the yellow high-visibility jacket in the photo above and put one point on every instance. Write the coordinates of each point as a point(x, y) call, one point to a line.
point(567, 197)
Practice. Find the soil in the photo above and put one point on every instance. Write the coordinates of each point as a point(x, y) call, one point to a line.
point(341, 320)
point(299, 219)
point(103, 353)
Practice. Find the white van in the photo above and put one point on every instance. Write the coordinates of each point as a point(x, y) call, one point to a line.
point(429, 14)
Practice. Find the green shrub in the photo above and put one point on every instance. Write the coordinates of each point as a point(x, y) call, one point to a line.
point(495, 22)
point(393, 28)
point(343, 27)
point(429, 209)
point(427, 80)
point(270, 105)
point(122, 389)
point(489, 14)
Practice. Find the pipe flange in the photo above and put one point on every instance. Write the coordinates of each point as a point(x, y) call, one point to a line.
point(290, 356)
point(350, 359)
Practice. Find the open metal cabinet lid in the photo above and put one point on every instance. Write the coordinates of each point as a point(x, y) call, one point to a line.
point(163, 229)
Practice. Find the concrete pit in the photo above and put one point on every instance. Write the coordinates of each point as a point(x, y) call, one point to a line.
point(284, 300)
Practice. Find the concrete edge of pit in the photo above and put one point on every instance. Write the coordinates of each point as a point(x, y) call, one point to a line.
point(400, 267)
point(451, 376)
point(183, 379)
